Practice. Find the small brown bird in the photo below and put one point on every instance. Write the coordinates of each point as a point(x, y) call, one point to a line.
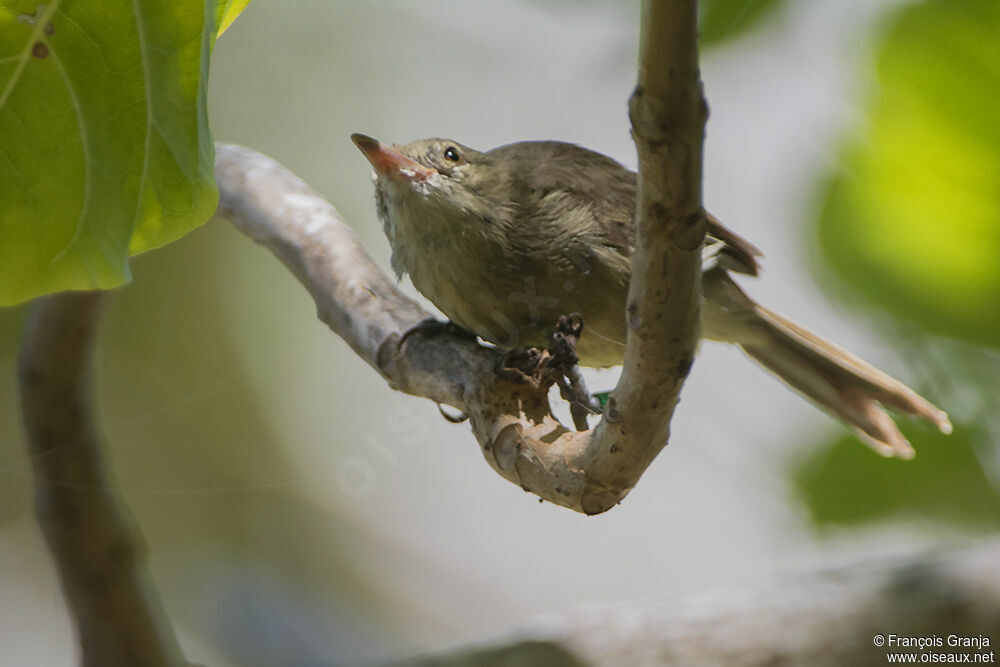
point(505, 241)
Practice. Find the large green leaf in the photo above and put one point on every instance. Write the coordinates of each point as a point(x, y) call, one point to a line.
point(228, 11)
point(105, 149)
point(912, 220)
point(842, 483)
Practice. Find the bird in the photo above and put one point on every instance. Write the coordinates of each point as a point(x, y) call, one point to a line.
point(505, 241)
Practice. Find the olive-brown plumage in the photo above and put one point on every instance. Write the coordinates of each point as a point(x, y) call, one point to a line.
point(505, 241)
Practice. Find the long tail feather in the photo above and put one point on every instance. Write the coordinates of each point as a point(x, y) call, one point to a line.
point(842, 383)
point(834, 379)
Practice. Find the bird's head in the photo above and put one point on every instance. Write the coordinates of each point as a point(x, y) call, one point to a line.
point(432, 177)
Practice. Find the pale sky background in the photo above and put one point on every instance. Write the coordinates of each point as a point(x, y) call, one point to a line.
point(441, 550)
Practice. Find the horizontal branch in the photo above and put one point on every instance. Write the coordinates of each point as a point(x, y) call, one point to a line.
point(849, 616)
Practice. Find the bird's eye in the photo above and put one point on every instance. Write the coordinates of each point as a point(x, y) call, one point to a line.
point(451, 153)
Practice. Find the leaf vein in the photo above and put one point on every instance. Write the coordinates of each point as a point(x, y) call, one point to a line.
point(84, 142)
point(25, 56)
point(140, 28)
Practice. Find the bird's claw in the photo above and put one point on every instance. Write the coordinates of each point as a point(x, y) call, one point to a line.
point(556, 364)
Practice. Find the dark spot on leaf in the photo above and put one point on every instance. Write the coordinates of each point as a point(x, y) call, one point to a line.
point(40, 50)
point(49, 29)
point(683, 366)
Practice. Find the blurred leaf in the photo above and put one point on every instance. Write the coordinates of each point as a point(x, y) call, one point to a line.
point(912, 222)
point(105, 149)
point(844, 483)
point(228, 10)
point(720, 20)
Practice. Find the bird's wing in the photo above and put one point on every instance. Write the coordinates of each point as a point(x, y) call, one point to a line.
point(738, 254)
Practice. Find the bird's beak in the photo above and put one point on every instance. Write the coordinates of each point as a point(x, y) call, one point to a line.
point(387, 161)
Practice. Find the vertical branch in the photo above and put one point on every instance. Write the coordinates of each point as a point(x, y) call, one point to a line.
point(117, 612)
point(668, 113)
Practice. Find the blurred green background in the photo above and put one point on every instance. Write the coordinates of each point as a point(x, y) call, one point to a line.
point(300, 513)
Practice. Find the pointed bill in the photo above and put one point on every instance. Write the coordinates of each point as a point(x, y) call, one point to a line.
point(389, 162)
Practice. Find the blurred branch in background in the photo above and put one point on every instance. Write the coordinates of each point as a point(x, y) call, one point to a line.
point(837, 617)
point(118, 615)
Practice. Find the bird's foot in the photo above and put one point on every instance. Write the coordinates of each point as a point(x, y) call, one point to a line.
point(556, 364)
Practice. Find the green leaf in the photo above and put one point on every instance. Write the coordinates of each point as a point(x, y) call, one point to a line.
point(228, 11)
point(105, 149)
point(720, 20)
point(843, 483)
point(912, 220)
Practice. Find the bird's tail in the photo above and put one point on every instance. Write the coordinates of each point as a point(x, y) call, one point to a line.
point(833, 378)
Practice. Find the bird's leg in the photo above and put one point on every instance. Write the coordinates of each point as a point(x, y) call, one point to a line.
point(556, 364)
point(572, 387)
